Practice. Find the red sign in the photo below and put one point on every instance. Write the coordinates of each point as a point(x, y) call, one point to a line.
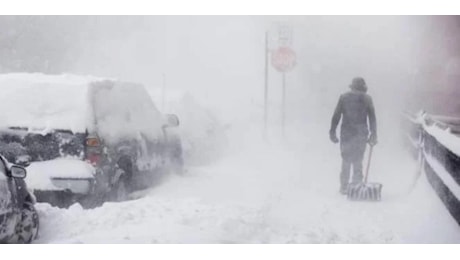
point(283, 59)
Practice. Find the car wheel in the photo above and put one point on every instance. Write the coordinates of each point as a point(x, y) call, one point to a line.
point(177, 165)
point(176, 158)
point(27, 228)
point(91, 201)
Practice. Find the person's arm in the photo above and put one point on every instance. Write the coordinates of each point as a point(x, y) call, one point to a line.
point(335, 119)
point(372, 121)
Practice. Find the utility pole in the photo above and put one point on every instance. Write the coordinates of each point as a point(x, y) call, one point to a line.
point(266, 86)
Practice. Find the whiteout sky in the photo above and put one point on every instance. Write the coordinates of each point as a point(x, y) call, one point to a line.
point(221, 58)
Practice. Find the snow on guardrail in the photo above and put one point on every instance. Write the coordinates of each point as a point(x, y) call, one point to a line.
point(443, 136)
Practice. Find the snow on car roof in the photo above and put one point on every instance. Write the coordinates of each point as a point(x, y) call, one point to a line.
point(42, 102)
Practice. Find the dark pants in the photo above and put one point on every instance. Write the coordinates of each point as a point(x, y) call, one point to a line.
point(352, 151)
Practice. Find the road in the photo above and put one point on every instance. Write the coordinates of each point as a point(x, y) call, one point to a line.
point(266, 193)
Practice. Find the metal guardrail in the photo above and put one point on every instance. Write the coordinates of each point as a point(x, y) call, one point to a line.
point(419, 138)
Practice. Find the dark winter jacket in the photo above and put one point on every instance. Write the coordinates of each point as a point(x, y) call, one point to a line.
point(354, 107)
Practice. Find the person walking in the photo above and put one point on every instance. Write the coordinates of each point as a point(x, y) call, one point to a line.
point(356, 110)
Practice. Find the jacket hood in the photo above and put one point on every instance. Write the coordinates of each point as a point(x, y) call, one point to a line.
point(358, 84)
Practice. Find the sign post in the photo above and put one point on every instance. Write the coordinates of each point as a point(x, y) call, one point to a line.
point(266, 85)
point(284, 60)
point(283, 108)
point(163, 93)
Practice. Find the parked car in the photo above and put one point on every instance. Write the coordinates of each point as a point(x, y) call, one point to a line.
point(18, 217)
point(203, 135)
point(89, 140)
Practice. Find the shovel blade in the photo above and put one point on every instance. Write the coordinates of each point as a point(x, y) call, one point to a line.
point(365, 191)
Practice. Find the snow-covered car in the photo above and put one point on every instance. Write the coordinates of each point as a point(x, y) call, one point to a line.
point(89, 139)
point(203, 135)
point(18, 217)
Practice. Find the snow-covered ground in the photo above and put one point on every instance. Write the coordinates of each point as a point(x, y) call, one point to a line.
point(275, 192)
point(241, 188)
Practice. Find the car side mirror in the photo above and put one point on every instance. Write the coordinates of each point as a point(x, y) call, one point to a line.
point(172, 120)
point(22, 160)
point(18, 172)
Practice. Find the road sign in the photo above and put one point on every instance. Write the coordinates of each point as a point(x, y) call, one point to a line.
point(283, 59)
point(284, 36)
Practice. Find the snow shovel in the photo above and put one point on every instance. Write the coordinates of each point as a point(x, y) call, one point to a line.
point(364, 191)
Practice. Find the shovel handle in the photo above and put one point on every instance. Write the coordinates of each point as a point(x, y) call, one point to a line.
point(368, 164)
